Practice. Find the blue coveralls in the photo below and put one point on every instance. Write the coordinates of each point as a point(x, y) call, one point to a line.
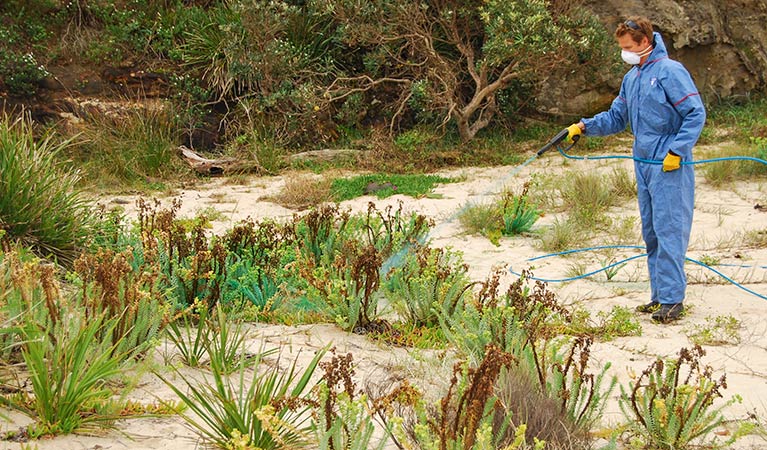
point(661, 103)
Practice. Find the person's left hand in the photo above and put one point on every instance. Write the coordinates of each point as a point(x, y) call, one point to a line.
point(671, 162)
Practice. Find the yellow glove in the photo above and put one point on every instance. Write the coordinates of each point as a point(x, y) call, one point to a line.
point(572, 131)
point(671, 162)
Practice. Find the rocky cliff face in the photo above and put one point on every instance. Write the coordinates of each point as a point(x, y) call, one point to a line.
point(722, 43)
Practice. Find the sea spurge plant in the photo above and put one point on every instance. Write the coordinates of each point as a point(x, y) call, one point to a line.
point(29, 293)
point(390, 229)
point(248, 282)
point(343, 419)
point(347, 288)
point(112, 284)
point(468, 415)
point(323, 231)
point(429, 281)
point(670, 404)
point(519, 214)
point(192, 266)
point(524, 322)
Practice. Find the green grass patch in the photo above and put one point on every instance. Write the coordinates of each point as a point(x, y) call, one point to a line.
point(385, 185)
point(748, 119)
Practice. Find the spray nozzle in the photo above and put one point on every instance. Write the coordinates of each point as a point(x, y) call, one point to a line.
point(559, 137)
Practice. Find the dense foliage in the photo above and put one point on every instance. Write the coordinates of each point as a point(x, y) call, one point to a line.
point(314, 70)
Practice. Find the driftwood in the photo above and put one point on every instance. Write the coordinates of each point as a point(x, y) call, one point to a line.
point(215, 167)
point(226, 166)
point(327, 155)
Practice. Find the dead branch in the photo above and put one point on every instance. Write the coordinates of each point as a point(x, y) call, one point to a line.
point(217, 167)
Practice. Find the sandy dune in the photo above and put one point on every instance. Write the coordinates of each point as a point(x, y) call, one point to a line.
point(722, 216)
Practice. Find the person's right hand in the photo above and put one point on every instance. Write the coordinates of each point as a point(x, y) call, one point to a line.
point(572, 131)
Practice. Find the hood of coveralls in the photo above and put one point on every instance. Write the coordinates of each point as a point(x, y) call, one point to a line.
point(658, 52)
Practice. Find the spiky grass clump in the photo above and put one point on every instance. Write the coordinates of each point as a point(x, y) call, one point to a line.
point(69, 371)
point(728, 171)
point(302, 191)
point(69, 358)
point(40, 204)
point(254, 409)
point(134, 149)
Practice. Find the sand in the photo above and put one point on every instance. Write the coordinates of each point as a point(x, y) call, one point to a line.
point(722, 216)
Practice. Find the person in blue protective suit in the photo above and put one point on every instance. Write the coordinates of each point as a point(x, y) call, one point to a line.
point(659, 101)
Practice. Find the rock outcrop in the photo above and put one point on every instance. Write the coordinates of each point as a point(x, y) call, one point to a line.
point(722, 43)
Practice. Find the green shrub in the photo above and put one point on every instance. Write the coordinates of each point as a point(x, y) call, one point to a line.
point(21, 73)
point(417, 140)
point(40, 204)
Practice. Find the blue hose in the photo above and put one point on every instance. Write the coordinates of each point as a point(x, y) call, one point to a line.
point(587, 249)
point(623, 261)
point(654, 161)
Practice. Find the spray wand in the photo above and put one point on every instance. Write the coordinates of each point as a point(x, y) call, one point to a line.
point(555, 141)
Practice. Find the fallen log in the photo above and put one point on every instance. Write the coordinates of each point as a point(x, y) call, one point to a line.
point(217, 167)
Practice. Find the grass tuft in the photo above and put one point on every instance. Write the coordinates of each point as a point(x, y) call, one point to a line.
point(136, 149)
point(303, 191)
point(40, 204)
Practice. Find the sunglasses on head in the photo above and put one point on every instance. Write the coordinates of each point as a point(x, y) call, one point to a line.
point(633, 25)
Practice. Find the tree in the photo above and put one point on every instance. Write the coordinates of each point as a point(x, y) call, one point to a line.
point(451, 58)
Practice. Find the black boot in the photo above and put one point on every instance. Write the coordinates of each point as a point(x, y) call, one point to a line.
point(668, 313)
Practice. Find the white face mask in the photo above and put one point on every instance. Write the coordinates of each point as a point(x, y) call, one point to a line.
point(634, 58)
